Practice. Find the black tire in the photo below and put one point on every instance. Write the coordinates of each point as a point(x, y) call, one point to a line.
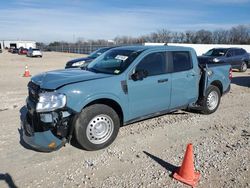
point(243, 67)
point(86, 133)
point(209, 109)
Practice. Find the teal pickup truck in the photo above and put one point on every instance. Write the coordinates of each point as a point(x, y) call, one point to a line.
point(123, 85)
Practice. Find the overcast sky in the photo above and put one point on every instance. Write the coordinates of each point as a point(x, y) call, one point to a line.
point(69, 20)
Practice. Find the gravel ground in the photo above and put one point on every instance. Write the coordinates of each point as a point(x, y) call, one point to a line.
point(144, 154)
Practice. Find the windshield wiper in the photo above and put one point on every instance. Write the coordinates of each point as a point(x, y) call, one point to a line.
point(92, 70)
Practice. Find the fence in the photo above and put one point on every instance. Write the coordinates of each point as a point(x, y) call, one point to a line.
point(79, 49)
point(87, 49)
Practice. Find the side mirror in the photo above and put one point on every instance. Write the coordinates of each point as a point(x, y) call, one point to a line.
point(139, 75)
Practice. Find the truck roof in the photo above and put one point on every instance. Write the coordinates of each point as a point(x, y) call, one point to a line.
point(227, 48)
point(142, 48)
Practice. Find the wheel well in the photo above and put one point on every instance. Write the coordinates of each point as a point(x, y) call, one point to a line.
point(113, 104)
point(219, 85)
point(247, 62)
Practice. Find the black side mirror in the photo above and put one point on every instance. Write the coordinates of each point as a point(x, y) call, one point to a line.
point(139, 75)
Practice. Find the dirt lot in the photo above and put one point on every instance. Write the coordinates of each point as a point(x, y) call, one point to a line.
point(143, 155)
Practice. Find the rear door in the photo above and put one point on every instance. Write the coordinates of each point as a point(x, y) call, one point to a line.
point(232, 58)
point(185, 80)
point(238, 58)
point(152, 94)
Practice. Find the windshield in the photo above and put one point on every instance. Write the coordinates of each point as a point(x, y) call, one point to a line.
point(114, 61)
point(97, 53)
point(216, 52)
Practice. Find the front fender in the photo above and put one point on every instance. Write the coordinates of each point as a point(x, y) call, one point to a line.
point(81, 104)
point(78, 105)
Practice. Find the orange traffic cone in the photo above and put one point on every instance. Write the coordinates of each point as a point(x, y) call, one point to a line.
point(26, 72)
point(186, 173)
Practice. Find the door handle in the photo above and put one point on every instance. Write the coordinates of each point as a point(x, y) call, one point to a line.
point(163, 80)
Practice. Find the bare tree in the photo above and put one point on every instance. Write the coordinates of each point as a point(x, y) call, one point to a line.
point(239, 35)
point(236, 35)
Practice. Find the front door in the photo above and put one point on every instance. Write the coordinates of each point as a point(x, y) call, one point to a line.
point(152, 93)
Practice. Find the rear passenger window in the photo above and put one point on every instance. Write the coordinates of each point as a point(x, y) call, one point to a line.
point(240, 52)
point(154, 64)
point(237, 52)
point(243, 51)
point(181, 61)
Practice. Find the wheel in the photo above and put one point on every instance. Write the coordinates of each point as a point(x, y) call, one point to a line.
point(243, 67)
point(96, 127)
point(211, 101)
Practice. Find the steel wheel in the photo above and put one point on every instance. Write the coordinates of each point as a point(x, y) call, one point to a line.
point(100, 129)
point(96, 127)
point(212, 100)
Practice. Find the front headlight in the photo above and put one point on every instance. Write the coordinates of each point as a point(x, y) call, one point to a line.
point(78, 64)
point(50, 101)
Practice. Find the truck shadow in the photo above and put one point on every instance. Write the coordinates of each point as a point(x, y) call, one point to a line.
point(8, 179)
point(169, 167)
point(74, 143)
point(23, 111)
point(242, 81)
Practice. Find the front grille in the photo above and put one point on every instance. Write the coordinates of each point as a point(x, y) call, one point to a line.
point(35, 123)
point(33, 91)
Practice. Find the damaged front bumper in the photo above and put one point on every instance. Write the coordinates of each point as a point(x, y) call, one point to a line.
point(46, 131)
point(41, 141)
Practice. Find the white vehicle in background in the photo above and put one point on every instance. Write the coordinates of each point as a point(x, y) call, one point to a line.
point(34, 52)
point(1, 48)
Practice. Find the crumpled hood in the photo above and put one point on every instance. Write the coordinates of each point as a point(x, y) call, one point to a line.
point(58, 78)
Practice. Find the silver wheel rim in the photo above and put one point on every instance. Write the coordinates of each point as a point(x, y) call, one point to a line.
point(244, 67)
point(212, 100)
point(100, 129)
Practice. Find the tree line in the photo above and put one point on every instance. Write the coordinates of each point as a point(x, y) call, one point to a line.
point(236, 35)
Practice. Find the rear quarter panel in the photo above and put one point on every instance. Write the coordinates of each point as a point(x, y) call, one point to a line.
point(221, 74)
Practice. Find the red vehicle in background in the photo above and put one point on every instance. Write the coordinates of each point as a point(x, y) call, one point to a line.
point(23, 51)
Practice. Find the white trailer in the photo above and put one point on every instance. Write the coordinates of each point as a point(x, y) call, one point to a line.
point(203, 48)
point(19, 44)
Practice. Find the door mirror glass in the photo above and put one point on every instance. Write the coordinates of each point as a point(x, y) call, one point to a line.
point(139, 75)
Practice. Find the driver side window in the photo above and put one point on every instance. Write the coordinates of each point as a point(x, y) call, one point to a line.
point(153, 64)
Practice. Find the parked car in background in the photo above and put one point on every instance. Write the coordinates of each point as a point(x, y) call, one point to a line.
point(15, 50)
point(123, 85)
point(238, 58)
point(23, 51)
point(34, 53)
point(86, 60)
point(10, 50)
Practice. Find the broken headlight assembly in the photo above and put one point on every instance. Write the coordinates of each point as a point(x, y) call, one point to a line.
point(50, 101)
